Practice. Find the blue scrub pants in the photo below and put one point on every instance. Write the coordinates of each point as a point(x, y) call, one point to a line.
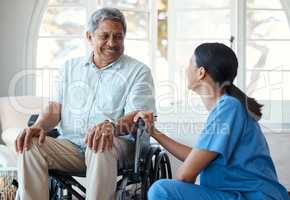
point(166, 189)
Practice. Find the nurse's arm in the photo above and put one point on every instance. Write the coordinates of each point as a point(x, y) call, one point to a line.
point(180, 151)
point(195, 162)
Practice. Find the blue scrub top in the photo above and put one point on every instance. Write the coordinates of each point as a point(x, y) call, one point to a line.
point(243, 164)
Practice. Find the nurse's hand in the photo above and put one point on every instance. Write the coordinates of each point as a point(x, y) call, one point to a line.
point(100, 138)
point(148, 118)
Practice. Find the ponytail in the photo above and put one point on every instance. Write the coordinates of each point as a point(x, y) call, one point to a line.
point(251, 105)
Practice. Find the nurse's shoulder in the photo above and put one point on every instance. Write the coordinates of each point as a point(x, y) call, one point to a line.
point(229, 102)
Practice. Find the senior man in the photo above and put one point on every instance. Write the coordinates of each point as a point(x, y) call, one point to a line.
point(91, 92)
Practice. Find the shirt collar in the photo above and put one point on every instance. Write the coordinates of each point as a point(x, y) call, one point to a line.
point(88, 61)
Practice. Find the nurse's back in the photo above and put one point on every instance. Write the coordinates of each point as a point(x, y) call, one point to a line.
point(244, 164)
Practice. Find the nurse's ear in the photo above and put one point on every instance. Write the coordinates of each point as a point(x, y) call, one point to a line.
point(201, 73)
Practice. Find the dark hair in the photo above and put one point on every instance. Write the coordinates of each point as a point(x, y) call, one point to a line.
point(221, 64)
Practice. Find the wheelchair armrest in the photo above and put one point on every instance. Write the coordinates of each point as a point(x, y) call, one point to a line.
point(32, 119)
point(52, 133)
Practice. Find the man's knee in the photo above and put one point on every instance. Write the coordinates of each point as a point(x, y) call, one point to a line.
point(34, 148)
point(36, 145)
point(160, 189)
point(33, 153)
point(100, 157)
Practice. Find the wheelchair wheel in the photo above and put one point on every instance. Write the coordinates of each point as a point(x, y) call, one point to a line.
point(148, 173)
point(55, 189)
point(61, 187)
point(162, 167)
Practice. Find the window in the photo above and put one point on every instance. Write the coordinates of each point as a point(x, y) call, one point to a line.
point(267, 59)
point(60, 38)
point(190, 23)
point(165, 32)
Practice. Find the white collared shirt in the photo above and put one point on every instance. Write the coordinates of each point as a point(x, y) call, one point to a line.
point(89, 95)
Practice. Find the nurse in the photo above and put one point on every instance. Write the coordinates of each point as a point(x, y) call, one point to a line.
point(231, 154)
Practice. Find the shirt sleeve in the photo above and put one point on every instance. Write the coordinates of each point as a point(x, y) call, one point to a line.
point(58, 85)
point(223, 128)
point(141, 95)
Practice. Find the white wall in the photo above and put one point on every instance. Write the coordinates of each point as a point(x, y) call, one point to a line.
point(15, 16)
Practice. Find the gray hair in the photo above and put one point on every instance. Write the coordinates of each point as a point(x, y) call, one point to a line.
point(102, 14)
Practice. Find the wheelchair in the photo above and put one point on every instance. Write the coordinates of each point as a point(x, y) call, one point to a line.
point(150, 164)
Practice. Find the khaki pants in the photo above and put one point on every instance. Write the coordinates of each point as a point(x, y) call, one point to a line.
point(63, 155)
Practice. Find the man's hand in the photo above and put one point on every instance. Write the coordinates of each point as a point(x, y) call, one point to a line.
point(100, 137)
point(148, 118)
point(23, 140)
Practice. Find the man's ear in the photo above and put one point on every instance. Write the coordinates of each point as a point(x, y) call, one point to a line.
point(89, 36)
point(202, 73)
